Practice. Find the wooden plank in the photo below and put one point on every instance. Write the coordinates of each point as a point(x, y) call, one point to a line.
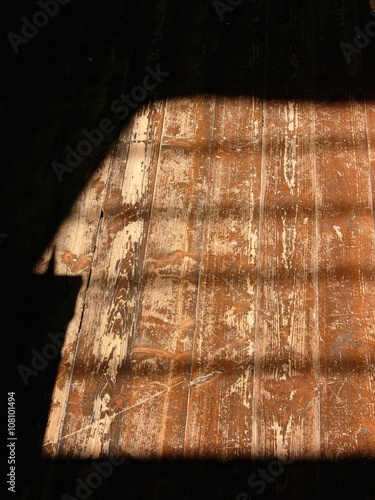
point(124, 218)
point(346, 267)
point(285, 398)
point(154, 422)
point(220, 400)
point(366, 477)
point(346, 284)
point(346, 249)
point(219, 417)
point(102, 351)
point(42, 91)
point(286, 411)
point(73, 248)
point(219, 412)
point(74, 243)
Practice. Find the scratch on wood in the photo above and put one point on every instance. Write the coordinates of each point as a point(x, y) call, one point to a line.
point(201, 380)
point(112, 417)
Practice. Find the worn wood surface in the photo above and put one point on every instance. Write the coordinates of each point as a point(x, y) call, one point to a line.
point(222, 249)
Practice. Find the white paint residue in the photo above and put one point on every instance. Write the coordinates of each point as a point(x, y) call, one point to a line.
point(253, 240)
point(115, 353)
point(338, 232)
point(256, 128)
point(133, 184)
point(250, 349)
point(290, 152)
point(238, 388)
point(134, 231)
point(251, 316)
point(251, 313)
point(250, 287)
point(290, 162)
point(96, 443)
point(282, 436)
point(288, 238)
point(230, 317)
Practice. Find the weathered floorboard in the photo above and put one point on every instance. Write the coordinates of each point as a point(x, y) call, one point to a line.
point(286, 420)
point(286, 372)
point(161, 351)
point(346, 254)
point(219, 418)
point(100, 360)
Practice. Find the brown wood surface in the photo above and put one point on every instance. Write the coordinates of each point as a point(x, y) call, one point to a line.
point(221, 252)
point(286, 387)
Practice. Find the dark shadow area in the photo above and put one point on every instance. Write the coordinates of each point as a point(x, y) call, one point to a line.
point(65, 78)
point(210, 479)
point(45, 304)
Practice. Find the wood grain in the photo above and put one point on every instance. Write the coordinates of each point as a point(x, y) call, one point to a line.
point(102, 352)
point(346, 282)
point(221, 378)
point(285, 399)
point(161, 353)
point(346, 259)
point(225, 248)
point(73, 250)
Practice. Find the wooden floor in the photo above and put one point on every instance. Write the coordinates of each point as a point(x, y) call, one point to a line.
point(213, 266)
